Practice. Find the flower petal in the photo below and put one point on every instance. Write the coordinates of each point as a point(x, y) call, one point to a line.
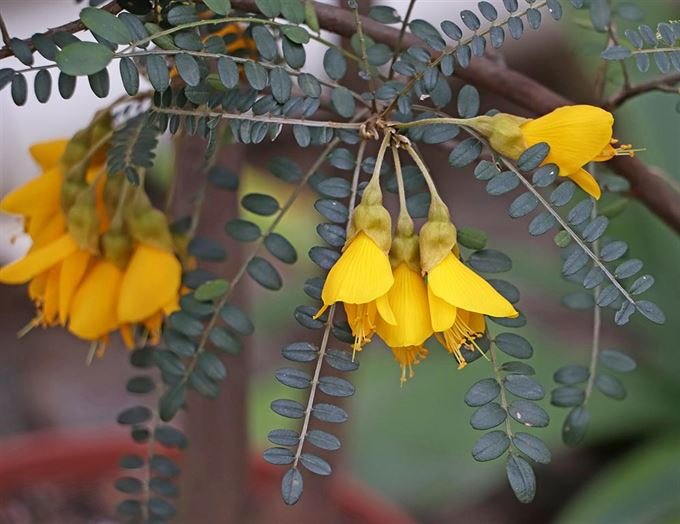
point(51, 304)
point(408, 301)
point(38, 261)
point(361, 274)
point(41, 195)
point(455, 283)
point(93, 309)
point(442, 314)
point(44, 229)
point(151, 281)
point(587, 182)
point(576, 134)
point(72, 271)
point(48, 154)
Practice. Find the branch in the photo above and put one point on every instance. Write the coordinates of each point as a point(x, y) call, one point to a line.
point(71, 27)
point(650, 189)
point(667, 84)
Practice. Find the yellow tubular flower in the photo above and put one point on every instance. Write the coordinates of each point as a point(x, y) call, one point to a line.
point(38, 261)
point(408, 357)
point(576, 134)
point(408, 300)
point(151, 282)
point(93, 309)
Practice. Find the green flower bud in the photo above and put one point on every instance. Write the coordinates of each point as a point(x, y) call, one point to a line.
point(77, 148)
point(437, 239)
point(70, 190)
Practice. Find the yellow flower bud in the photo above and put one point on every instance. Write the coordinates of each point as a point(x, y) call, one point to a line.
point(437, 239)
point(503, 131)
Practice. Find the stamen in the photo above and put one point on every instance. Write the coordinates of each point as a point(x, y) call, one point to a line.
point(30, 326)
point(627, 150)
point(458, 335)
point(408, 357)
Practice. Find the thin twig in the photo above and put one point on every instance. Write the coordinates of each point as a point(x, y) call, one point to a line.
point(5, 33)
point(400, 38)
point(503, 398)
point(364, 58)
point(597, 327)
point(259, 118)
point(666, 84)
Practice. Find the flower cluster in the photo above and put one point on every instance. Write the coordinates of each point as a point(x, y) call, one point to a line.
point(102, 256)
point(407, 287)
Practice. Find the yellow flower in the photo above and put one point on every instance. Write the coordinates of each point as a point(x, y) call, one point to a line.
point(408, 357)
point(360, 279)
point(577, 135)
point(150, 285)
point(465, 329)
point(408, 301)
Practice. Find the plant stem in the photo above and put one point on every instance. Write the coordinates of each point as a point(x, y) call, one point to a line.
point(503, 397)
point(400, 181)
point(402, 32)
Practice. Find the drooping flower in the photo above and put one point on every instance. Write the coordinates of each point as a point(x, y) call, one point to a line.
point(457, 296)
point(577, 135)
point(362, 276)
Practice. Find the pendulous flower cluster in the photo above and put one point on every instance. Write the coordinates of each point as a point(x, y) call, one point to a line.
point(102, 257)
point(407, 287)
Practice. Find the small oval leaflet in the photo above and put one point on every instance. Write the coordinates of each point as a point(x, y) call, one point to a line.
point(284, 437)
point(262, 271)
point(315, 464)
point(83, 58)
point(533, 157)
point(502, 183)
point(332, 210)
point(323, 440)
point(490, 261)
point(610, 386)
point(488, 416)
point(524, 387)
point(291, 486)
point(134, 415)
point(278, 456)
point(617, 361)
point(300, 352)
point(293, 377)
point(329, 413)
point(465, 153)
point(260, 204)
point(567, 396)
point(571, 374)
point(334, 63)
point(528, 413)
point(288, 408)
point(106, 25)
point(490, 446)
point(575, 426)
point(521, 478)
point(242, 230)
point(281, 248)
point(533, 447)
point(482, 392)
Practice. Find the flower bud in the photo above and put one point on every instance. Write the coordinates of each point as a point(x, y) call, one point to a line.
point(405, 246)
point(77, 148)
point(503, 132)
point(147, 224)
point(70, 190)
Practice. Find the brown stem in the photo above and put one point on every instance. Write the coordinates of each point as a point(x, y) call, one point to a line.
point(666, 84)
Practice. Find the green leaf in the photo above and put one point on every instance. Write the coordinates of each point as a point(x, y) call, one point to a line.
point(83, 58)
point(315, 464)
point(220, 7)
point(269, 8)
point(533, 447)
point(260, 204)
point(296, 34)
point(212, 366)
point(329, 413)
point(572, 374)
point(567, 396)
point(182, 14)
point(343, 102)
point(42, 85)
point(533, 157)
point(471, 238)
point(617, 361)
point(134, 415)
point(211, 290)
point(575, 426)
point(278, 456)
point(293, 10)
point(524, 387)
point(129, 75)
point(468, 101)
point(237, 320)
point(281, 248)
point(528, 413)
point(384, 14)
point(264, 273)
point(187, 67)
point(334, 63)
point(610, 386)
point(225, 341)
point(256, 75)
point(323, 440)
point(291, 486)
point(651, 311)
point(465, 153)
point(106, 25)
point(265, 42)
point(281, 84)
point(502, 183)
point(336, 386)
point(157, 70)
point(288, 408)
point(488, 416)
point(99, 83)
point(482, 392)
point(490, 446)
point(228, 72)
point(21, 51)
point(490, 261)
point(616, 52)
point(243, 230)
point(521, 478)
